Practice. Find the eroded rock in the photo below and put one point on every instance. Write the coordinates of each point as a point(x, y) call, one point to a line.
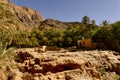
point(79, 65)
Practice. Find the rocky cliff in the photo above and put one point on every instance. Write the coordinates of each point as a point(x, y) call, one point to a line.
point(29, 18)
point(5, 1)
point(26, 16)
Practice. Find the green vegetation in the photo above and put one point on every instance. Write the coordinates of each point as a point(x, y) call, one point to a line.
point(85, 20)
point(12, 36)
point(54, 36)
point(109, 35)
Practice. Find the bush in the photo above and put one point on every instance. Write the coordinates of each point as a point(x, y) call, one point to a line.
point(110, 36)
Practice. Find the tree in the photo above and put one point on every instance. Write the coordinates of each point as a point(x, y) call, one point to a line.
point(102, 35)
point(116, 33)
point(93, 22)
point(85, 20)
point(68, 41)
point(38, 34)
point(116, 30)
point(45, 40)
point(105, 23)
point(110, 36)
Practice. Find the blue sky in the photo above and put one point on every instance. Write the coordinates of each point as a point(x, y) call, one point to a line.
point(74, 10)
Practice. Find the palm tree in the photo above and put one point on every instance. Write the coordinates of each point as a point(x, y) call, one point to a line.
point(105, 23)
point(85, 20)
point(5, 38)
point(93, 22)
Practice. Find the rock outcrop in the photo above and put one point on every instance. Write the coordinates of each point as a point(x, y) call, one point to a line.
point(29, 18)
point(80, 65)
point(5, 1)
point(53, 24)
point(26, 16)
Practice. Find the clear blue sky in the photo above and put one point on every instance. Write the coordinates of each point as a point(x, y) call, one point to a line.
point(74, 10)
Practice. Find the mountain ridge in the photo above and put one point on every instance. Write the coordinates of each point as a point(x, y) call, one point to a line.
point(29, 18)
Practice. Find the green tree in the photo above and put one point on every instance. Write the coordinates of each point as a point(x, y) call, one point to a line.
point(24, 39)
point(68, 41)
point(110, 36)
point(36, 33)
point(93, 23)
point(102, 35)
point(105, 23)
point(85, 20)
point(116, 33)
point(45, 40)
point(53, 36)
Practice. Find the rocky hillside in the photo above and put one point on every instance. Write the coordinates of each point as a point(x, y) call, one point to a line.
point(65, 65)
point(29, 18)
point(51, 23)
point(24, 15)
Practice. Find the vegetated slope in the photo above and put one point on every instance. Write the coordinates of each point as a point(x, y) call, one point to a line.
point(29, 18)
point(14, 19)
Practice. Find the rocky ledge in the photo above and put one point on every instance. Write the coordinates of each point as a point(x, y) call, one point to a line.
point(64, 65)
